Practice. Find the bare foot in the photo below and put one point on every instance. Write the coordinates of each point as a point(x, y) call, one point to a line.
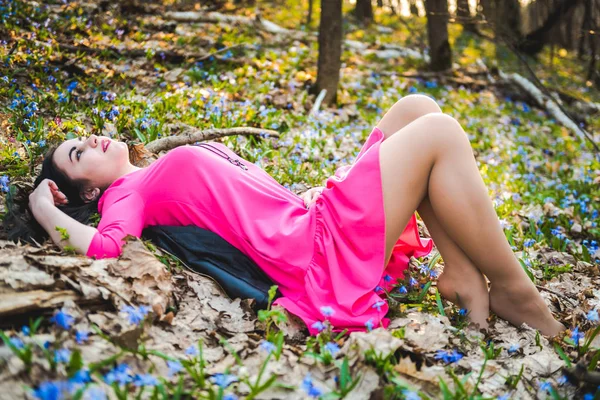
point(467, 288)
point(520, 303)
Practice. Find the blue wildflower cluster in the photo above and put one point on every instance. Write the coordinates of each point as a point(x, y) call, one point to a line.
point(448, 356)
point(309, 387)
point(4, 181)
point(135, 315)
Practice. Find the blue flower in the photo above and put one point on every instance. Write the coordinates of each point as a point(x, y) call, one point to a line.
point(42, 143)
point(562, 380)
point(319, 326)
point(309, 387)
point(513, 348)
point(81, 376)
point(410, 395)
point(378, 289)
point(413, 282)
point(145, 380)
point(192, 351)
point(327, 311)
point(592, 316)
point(402, 289)
point(230, 396)
point(378, 305)
point(448, 357)
point(546, 386)
point(529, 242)
point(223, 380)
point(121, 374)
point(424, 268)
point(95, 393)
point(369, 324)
point(588, 396)
point(505, 396)
point(174, 367)
point(268, 346)
point(462, 311)
point(576, 335)
point(332, 347)
point(18, 343)
point(63, 320)
point(387, 278)
point(71, 86)
point(52, 390)
point(25, 330)
point(136, 315)
point(62, 355)
point(81, 336)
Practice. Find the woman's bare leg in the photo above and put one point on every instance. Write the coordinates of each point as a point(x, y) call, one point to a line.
point(461, 282)
point(434, 158)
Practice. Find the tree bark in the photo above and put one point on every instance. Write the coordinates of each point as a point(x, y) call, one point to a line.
point(587, 23)
point(364, 11)
point(437, 32)
point(463, 12)
point(413, 7)
point(330, 50)
point(310, 13)
point(508, 20)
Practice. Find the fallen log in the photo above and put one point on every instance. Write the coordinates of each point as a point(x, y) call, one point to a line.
point(543, 101)
point(190, 135)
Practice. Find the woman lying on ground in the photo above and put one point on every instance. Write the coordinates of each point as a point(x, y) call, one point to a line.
point(332, 258)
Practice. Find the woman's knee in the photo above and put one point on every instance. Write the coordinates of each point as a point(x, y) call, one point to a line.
point(405, 111)
point(418, 105)
point(444, 129)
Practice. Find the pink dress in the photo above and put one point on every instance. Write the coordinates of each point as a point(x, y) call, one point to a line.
point(329, 255)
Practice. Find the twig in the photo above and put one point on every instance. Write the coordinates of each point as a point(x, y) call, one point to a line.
point(573, 302)
point(192, 135)
point(318, 102)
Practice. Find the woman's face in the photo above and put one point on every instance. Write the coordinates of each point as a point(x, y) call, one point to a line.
point(98, 161)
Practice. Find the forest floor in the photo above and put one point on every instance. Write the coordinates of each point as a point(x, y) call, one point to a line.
point(142, 326)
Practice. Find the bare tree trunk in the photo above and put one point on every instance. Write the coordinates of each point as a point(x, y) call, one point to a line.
point(463, 12)
point(437, 32)
point(508, 20)
point(364, 11)
point(488, 9)
point(380, 3)
point(413, 7)
point(534, 42)
point(587, 23)
point(593, 43)
point(310, 13)
point(330, 50)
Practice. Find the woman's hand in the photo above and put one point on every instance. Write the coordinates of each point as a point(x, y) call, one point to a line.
point(311, 195)
point(47, 191)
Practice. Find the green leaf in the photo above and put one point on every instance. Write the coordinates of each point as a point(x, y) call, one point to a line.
point(344, 373)
point(562, 354)
point(438, 300)
point(424, 292)
point(594, 361)
point(75, 363)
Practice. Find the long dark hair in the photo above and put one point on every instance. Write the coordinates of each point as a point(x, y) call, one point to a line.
point(19, 223)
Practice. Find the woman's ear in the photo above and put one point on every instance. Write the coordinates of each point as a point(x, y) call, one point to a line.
point(90, 194)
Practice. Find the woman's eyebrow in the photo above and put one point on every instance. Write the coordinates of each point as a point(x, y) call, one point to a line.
point(73, 149)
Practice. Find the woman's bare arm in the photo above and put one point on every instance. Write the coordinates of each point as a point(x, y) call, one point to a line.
point(65, 231)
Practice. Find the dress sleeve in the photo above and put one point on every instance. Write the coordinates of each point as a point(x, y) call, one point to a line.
point(122, 214)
